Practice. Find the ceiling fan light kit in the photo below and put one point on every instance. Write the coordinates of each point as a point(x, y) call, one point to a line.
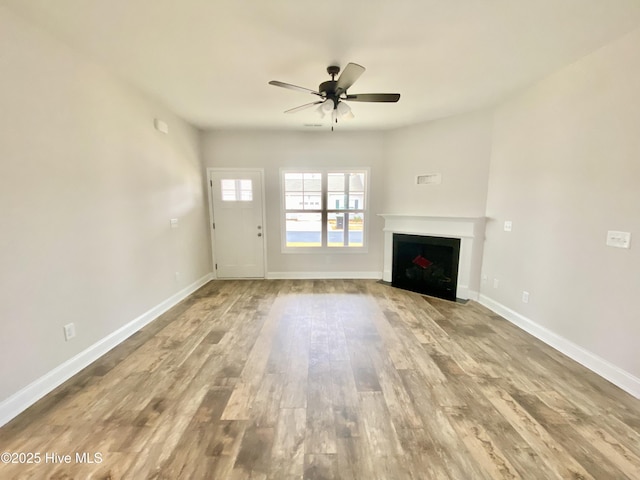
point(333, 93)
point(344, 111)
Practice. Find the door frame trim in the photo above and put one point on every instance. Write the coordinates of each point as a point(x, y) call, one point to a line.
point(260, 171)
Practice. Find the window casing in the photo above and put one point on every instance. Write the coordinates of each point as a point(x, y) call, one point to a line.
point(324, 210)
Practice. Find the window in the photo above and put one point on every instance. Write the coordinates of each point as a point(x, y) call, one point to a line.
point(236, 190)
point(324, 210)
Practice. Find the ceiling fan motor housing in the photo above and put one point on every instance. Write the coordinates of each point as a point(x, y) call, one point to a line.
point(328, 87)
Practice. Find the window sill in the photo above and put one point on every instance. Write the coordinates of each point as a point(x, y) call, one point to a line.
point(323, 250)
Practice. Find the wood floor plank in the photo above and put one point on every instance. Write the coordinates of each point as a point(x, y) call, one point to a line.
point(323, 379)
point(401, 408)
point(422, 454)
point(321, 429)
point(580, 448)
point(549, 451)
point(254, 457)
point(379, 431)
point(321, 467)
point(353, 461)
point(289, 445)
point(294, 394)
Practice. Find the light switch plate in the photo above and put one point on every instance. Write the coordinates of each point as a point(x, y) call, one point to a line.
point(174, 223)
point(69, 331)
point(618, 239)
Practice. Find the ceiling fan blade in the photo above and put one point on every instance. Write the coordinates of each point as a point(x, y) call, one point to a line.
point(349, 75)
point(293, 87)
point(374, 97)
point(302, 107)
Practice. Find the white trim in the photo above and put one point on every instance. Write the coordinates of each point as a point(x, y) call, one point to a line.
point(472, 294)
point(470, 231)
point(324, 249)
point(24, 398)
point(323, 275)
point(616, 375)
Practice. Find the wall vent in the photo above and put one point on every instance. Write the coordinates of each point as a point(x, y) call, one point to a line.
point(429, 179)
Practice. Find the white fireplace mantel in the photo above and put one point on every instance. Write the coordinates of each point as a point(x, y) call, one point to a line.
point(470, 231)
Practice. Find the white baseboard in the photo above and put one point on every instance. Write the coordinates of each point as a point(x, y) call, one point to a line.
point(472, 295)
point(323, 275)
point(616, 375)
point(24, 398)
point(465, 293)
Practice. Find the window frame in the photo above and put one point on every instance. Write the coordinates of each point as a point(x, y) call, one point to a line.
point(324, 212)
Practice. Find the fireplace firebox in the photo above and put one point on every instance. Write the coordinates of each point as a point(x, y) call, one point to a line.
point(425, 264)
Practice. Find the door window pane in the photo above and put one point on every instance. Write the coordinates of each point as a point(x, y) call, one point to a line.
point(233, 190)
point(228, 188)
point(246, 190)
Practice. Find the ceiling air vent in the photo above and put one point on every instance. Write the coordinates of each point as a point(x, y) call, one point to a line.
point(429, 179)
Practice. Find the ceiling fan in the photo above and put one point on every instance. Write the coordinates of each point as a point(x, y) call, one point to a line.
point(333, 93)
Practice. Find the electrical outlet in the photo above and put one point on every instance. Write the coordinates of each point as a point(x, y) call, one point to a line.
point(484, 279)
point(508, 224)
point(69, 331)
point(177, 276)
point(525, 297)
point(496, 283)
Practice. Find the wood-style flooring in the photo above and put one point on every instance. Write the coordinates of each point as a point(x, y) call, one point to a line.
point(331, 379)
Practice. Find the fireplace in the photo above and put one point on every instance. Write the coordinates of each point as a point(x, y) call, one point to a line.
point(468, 230)
point(426, 264)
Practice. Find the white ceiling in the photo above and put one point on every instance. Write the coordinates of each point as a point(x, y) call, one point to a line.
point(210, 60)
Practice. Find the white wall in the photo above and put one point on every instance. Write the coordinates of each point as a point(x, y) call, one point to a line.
point(459, 148)
point(565, 168)
point(87, 188)
point(273, 150)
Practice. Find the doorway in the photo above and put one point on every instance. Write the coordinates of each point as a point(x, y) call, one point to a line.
point(237, 222)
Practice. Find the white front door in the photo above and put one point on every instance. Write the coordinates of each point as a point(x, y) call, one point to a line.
point(238, 227)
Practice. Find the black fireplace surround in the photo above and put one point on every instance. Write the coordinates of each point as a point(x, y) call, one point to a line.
point(427, 265)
